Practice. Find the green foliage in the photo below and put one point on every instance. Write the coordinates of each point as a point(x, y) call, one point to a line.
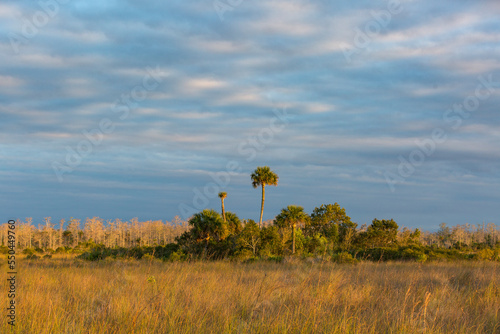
point(415, 236)
point(270, 242)
point(328, 232)
point(233, 222)
point(380, 233)
point(210, 236)
point(344, 257)
point(164, 252)
point(207, 228)
point(249, 239)
point(316, 244)
point(401, 253)
point(263, 176)
point(148, 257)
point(95, 254)
point(275, 258)
point(485, 254)
point(413, 254)
point(28, 251)
point(60, 250)
point(177, 256)
point(422, 258)
point(100, 252)
point(292, 216)
point(208, 225)
point(300, 242)
point(244, 255)
point(332, 222)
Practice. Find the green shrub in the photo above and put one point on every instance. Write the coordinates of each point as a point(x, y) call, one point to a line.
point(316, 244)
point(136, 252)
point(275, 258)
point(243, 254)
point(485, 254)
point(380, 254)
point(28, 251)
point(422, 258)
point(164, 252)
point(251, 259)
point(343, 257)
point(177, 256)
point(413, 254)
point(61, 250)
point(496, 256)
point(148, 257)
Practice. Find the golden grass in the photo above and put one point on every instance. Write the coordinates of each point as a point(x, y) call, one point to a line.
point(65, 295)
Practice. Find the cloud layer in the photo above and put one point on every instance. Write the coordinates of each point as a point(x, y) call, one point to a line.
point(340, 99)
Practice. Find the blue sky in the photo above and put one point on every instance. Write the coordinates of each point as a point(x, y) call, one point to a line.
point(123, 109)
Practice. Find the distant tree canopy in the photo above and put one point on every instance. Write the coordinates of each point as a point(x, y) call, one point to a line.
point(380, 233)
point(208, 232)
point(327, 232)
point(330, 221)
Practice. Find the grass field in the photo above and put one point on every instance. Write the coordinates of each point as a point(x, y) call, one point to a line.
point(66, 295)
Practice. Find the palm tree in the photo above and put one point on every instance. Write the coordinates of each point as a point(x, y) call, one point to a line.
point(291, 216)
point(263, 176)
point(222, 196)
point(208, 225)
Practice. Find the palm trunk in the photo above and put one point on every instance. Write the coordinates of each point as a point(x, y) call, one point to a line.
point(293, 238)
point(205, 251)
point(262, 204)
point(223, 211)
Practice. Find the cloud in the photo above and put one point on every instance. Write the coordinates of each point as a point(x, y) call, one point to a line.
point(220, 82)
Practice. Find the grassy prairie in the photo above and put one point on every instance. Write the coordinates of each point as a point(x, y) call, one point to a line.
point(66, 295)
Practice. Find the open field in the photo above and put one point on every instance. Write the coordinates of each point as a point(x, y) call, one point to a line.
point(66, 295)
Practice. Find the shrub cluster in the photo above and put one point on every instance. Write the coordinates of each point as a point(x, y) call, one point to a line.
point(326, 234)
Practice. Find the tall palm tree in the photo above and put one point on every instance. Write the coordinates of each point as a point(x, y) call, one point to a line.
point(222, 196)
point(291, 216)
point(263, 176)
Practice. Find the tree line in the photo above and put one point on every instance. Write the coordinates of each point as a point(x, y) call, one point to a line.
point(326, 231)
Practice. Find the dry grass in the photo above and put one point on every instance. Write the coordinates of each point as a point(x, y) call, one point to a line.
point(65, 295)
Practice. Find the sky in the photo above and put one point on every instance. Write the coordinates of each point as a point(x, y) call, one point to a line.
point(147, 109)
